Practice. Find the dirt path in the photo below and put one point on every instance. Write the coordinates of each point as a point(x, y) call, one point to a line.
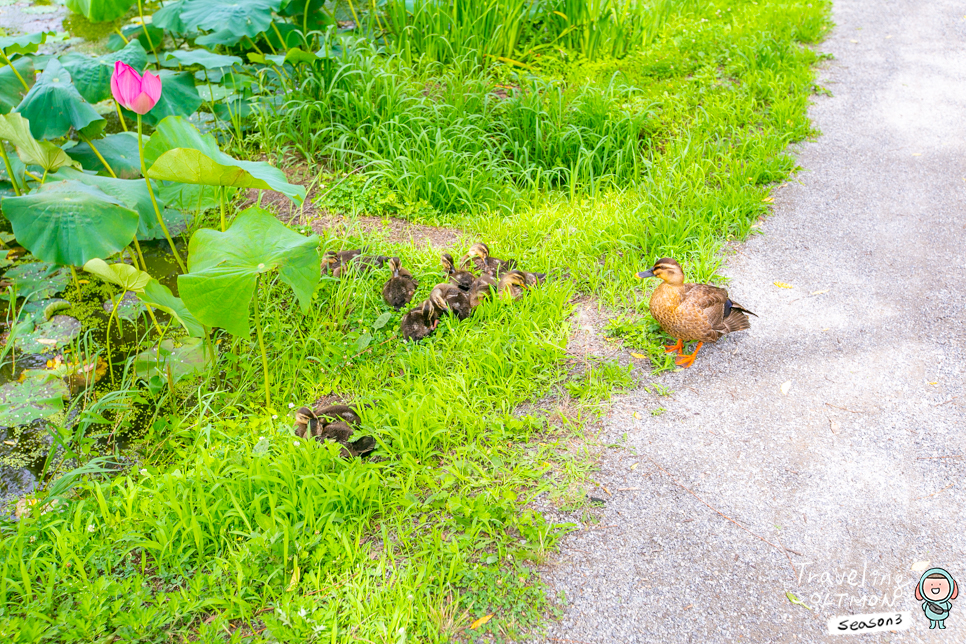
point(862, 465)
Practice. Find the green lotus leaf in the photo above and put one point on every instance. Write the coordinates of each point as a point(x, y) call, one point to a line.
point(58, 331)
point(179, 97)
point(317, 19)
point(132, 193)
point(70, 223)
point(119, 150)
point(239, 17)
point(11, 89)
point(224, 267)
point(92, 76)
point(185, 358)
point(179, 152)
point(53, 105)
point(190, 196)
point(23, 44)
point(123, 275)
point(136, 33)
point(202, 57)
point(38, 396)
point(16, 129)
point(40, 311)
point(37, 280)
point(100, 10)
point(168, 17)
point(160, 297)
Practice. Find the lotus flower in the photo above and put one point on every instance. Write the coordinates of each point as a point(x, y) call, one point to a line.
point(136, 93)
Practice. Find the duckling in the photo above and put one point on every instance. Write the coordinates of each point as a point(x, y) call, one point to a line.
point(419, 322)
point(514, 283)
point(306, 422)
point(337, 264)
point(534, 279)
point(482, 287)
point(399, 290)
point(480, 254)
point(462, 279)
point(448, 298)
point(334, 413)
point(692, 312)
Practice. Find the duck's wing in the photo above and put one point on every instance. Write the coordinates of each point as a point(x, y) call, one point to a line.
point(707, 302)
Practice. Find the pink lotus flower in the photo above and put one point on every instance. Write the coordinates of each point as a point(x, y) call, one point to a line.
point(136, 93)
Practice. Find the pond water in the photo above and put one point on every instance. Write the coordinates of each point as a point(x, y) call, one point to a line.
point(24, 448)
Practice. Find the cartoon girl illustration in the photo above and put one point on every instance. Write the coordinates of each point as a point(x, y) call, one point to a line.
point(936, 590)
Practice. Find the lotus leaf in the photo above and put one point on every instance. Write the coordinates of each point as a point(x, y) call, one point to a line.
point(119, 150)
point(168, 18)
point(39, 311)
point(37, 280)
point(27, 44)
point(53, 105)
point(100, 10)
point(16, 129)
point(47, 336)
point(186, 359)
point(202, 57)
point(179, 152)
point(92, 76)
point(160, 297)
point(38, 396)
point(189, 196)
point(236, 17)
point(11, 89)
point(123, 275)
point(179, 97)
point(70, 223)
point(132, 193)
point(224, 268)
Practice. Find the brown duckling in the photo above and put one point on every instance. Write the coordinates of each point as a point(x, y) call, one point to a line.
point(534, 279)
point(513, 283)
point(481, 288)
point(337, 263)
point(306, 422)
point(419, 322)
point(480, 254)
point(462, 279)
point(448, 298)
point(692, 312)
point(399, 290)
point(335, 413)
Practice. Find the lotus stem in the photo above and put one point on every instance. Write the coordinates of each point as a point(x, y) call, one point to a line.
point(221, 201)
point(97, 154)
point(157, 327)
point(117, 106)
point(6, 163)
point(261, 345)
point(118, 32)
point(144, 28)
point(154, 202)
point(73, 273)
point(107, 335)
point(15, 72)
point(281, 41)
point(137, 247)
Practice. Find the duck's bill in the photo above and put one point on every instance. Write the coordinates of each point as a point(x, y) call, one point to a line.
point(645, 274)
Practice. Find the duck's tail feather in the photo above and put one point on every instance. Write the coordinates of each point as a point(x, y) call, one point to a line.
point(737, 320)
point(734, 306)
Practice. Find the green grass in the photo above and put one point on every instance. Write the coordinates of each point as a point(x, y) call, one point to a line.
point(229, 528)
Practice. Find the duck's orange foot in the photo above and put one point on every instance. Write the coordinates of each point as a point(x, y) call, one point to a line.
point(674, 348)
point(685, 361)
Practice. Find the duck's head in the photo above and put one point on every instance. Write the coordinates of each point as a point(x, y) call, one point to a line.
point(512, 278)
point(479, 250)
point(448, 266)
point(394, 266)
point(666, 269)
point(329, 258)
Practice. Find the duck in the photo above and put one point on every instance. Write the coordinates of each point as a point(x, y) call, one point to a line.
point(449, 298)
point(513, 283)
point(334, 423)
point(534, 279)
point(337, 263)
point(420, 322)
point(400, 288)
point(480, 255)
point(462, 279)
point(482, 287)
point(691, 312)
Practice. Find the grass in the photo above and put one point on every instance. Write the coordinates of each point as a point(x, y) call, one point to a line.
point(229, 528)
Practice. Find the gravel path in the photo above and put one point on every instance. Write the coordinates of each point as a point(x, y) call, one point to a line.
point(862, 465)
